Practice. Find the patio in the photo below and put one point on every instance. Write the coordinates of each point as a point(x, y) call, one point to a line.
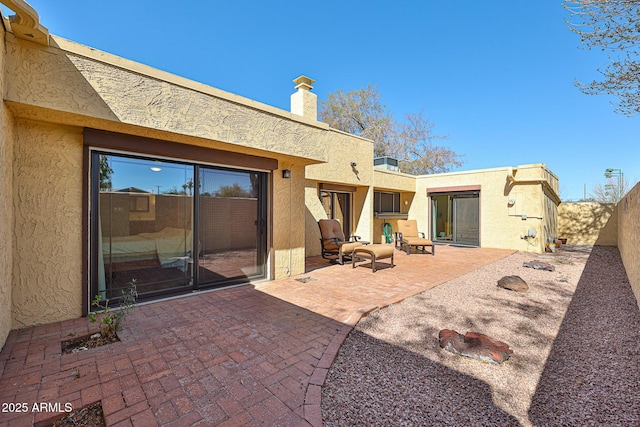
point(249, 355)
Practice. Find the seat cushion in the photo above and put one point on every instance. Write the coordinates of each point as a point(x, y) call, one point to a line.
point(416, 241)
point(380, 251)
point(348, 247)
point(408, 227)
point(331, 229)
point(331, 247)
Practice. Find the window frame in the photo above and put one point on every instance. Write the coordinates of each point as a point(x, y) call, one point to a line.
point(377, 202)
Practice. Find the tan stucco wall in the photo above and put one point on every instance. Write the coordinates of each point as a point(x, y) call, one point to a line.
point(588, 223)
point(6, 206)
point(393, 181)
point(405, 184)
point(341, 150)
point(85, 87)
point(362, 214)
point(501, 223)
point(629, 236)
point(47, 202)
point(314, 211)
point(288, 213)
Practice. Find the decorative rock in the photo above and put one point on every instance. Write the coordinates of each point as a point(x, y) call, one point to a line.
point(474, 345)
point(513, 283)
point(537, 265)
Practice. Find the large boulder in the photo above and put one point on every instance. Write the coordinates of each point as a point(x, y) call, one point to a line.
point(474, 345)
point(513, 283)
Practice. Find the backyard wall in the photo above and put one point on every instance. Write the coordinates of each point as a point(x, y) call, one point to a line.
point(6, 205)
point(629, 236)
point(588, 223)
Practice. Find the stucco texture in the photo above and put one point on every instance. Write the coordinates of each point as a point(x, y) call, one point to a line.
point(77, 86)
point(502, 224)
point(314, 212)
point(588, 223)
point(362, 215)
point(629, 236)
point(47, 283)
point(393, 181)
point(340, 150)
point(288, 216)
point(6, 211)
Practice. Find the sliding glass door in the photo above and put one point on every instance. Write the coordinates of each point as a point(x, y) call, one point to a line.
point(144, 227)
point(173, 227)
point(231, 225)
point(456, 218)
point(466, 220)
point(337, 205)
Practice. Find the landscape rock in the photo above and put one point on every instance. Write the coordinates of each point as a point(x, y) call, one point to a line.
point(513, 283)
point(538, 265)
point(475, 346)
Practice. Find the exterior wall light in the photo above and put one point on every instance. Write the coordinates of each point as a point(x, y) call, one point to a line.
point(286, 173)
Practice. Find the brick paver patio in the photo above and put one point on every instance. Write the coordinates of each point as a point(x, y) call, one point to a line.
point(249, 355)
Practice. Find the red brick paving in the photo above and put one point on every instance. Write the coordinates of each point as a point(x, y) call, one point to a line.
point(244, 356)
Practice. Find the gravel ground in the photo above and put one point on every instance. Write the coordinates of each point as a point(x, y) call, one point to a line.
point(575, 336)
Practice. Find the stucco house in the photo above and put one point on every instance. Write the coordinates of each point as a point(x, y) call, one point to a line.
point(112, 170)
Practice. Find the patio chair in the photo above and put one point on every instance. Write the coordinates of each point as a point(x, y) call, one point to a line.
point(334, 244)
point(408, 236)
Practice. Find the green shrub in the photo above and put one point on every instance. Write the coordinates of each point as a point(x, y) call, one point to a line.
point(111, 320)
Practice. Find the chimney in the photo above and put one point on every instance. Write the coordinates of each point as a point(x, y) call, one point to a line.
point(304, 102)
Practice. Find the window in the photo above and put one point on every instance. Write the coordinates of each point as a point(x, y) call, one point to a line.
point(386, 202)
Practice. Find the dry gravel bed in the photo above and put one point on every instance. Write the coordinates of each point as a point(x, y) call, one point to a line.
point(575, 336)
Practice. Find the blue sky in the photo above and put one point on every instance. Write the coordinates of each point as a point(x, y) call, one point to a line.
point(496, 77)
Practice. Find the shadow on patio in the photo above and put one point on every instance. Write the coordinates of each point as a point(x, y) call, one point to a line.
point(244, 355)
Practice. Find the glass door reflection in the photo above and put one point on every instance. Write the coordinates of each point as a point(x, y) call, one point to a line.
point(144, 226)
point(231, 224)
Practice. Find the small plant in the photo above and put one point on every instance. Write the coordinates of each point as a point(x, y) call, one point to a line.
point(110, 321)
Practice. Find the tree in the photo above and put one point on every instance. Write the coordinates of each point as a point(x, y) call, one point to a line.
point(359, 113)
point(612, 26)
point(234, 190)
point(362, 113)
point(105, 173)
point(413, 146)
point(611, 192)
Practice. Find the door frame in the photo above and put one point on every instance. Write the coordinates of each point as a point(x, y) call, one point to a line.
point(334, 191)
point(452, 193)
point(130, 145)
